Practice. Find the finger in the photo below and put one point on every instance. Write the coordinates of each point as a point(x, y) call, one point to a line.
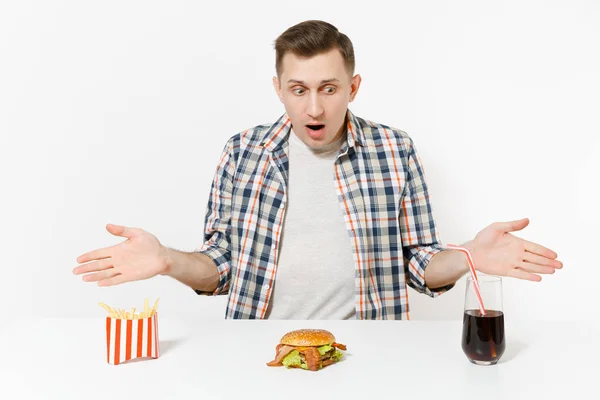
point(98, 276)
point(95, 255)
point(119, 230)
point(536, 268)
point(539, 249)
point(512, 226)
point(115, 280)
point(520, 274)
point(536, 259)
point(93, 266)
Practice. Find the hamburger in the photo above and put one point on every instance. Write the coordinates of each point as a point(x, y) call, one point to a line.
point(310, 349)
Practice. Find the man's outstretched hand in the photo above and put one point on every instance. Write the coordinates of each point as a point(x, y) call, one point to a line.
point(496, 251)
point(139, 257)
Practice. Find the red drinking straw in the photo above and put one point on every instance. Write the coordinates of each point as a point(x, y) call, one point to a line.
point(473, 275)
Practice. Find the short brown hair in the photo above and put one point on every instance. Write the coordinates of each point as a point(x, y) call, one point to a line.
point(310, 38)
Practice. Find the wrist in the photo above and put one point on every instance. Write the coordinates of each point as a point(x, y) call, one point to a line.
point(471, 247)
point(166, 257)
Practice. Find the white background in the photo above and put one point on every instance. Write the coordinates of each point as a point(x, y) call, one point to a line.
point(117, 111)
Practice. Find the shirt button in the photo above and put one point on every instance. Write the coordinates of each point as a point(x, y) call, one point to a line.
point(267, 287)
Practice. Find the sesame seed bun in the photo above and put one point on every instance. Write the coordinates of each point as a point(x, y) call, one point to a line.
point(308, 337)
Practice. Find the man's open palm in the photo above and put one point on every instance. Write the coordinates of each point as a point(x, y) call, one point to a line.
point(139, 257)
point(496, 251)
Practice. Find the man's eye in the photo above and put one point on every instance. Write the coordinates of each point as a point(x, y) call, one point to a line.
point(298, 91)
point(330, 90)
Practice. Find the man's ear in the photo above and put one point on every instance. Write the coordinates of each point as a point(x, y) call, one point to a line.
point(277, 87)
point(354, 85)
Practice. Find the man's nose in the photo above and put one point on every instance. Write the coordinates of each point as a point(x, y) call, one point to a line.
point(314, 107)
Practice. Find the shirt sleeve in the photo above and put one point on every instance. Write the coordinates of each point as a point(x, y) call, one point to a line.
point(217, 226)
point(419, 234)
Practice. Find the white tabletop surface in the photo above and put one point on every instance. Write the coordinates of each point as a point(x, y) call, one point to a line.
point(66, 359)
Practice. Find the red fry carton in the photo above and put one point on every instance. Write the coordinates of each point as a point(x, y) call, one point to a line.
point(127, 339)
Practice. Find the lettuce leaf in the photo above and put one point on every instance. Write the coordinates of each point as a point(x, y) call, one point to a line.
point(293, 359)
point(337, 355)
point(324, 349)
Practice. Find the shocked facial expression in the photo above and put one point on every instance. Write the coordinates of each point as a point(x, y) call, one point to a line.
point(316, 92)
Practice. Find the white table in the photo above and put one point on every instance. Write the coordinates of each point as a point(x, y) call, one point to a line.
point(66, 359)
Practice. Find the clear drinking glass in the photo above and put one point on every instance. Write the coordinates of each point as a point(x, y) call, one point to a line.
point(483, 340)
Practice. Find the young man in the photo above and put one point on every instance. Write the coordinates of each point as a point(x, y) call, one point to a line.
point(321, 214)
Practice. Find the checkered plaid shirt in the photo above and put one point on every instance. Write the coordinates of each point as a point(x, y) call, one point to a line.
point(383, 198)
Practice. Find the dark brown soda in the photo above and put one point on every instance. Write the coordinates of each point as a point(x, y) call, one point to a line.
point(483, 336)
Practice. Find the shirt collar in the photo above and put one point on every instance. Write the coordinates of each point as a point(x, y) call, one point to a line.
point(279, 131)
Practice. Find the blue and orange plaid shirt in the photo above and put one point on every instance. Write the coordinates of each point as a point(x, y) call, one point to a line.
point(383, 198)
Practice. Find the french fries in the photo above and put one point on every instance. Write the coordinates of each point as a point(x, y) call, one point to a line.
point(122, 314)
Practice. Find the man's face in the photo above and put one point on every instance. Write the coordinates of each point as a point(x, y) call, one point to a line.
point(315, 92)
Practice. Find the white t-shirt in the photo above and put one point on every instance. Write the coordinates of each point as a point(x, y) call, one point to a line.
point(315, 271)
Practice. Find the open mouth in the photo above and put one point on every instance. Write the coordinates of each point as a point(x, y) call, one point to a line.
point(315, 127)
